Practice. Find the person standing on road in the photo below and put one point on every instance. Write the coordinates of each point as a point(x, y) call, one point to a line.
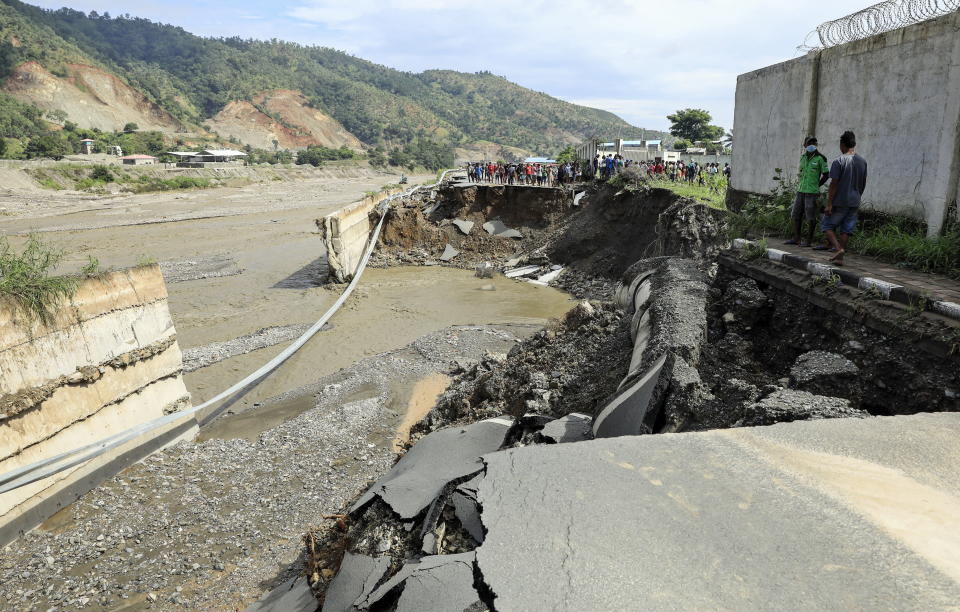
point(848, 180)
point(814, 172)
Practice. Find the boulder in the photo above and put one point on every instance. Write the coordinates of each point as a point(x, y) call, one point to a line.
point(829, 374)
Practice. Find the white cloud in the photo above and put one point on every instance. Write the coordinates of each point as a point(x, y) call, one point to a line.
point(639, 58)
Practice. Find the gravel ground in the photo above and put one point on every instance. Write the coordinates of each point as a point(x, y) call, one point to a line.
point(202, 356)
point(213, 525)
point(215, 266)
point(573, 365)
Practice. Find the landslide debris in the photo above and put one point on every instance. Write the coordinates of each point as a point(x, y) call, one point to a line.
point(573, 365)
point(594, 242)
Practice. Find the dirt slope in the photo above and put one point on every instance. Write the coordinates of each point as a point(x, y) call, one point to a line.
point(90, 96)
point(300, 126)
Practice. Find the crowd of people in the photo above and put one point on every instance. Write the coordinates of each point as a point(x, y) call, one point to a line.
point(523, 173)
point(602, 167)
point(678, 171)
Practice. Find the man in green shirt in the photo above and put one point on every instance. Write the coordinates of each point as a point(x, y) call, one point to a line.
point(814, 172)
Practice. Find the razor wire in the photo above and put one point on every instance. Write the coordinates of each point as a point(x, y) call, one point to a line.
point(45, 468)
point(881, 17)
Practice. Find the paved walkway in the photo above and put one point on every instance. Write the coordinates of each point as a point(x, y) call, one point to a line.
point(936, 285)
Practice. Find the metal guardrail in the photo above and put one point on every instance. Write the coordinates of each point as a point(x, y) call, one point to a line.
point(45, 468)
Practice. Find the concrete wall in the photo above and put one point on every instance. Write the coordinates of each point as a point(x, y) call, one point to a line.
point(345, 234)
point(771, 119)
point(898, 91)
point(107, 361)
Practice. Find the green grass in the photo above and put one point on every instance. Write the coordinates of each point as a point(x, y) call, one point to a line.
point(712, 194)
point(145, 184)
point(907, 245)
point(26, 278)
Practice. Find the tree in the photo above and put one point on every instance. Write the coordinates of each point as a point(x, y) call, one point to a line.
point(51, 144)
point(57, 116)
point(569, 154)
point(681, 144)
point(130, 127)
point(3, 146)
point(694, 124)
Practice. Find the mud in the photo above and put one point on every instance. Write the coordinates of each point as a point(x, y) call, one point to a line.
point(390, 308)
point(419, 401)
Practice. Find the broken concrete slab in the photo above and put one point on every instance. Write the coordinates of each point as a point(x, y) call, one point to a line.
point(574, 427)
point(358, 576)
point(784, 405)
point(549, 276)
point(464, 501)
point(498, 229)
point(522, 271)
point(464, 226)
point(793, 516)
point(437, 583)
point(437, 459)
point(826, 373)
point(294, 595)
point(449, 253)
point(633, 411)
point(494, 227)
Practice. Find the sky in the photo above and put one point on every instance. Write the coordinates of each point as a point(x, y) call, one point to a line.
point(640, 59)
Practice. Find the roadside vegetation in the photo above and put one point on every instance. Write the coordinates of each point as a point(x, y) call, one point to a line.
point(896, 239)
point(96, 179)
point(28, 279)
point(712, 193)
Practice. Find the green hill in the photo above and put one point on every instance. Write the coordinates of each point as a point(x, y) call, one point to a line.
point(193, 78)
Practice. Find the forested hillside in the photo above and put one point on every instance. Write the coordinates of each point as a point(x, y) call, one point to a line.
point(188, 80)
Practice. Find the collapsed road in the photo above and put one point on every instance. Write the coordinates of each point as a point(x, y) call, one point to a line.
point(610, 459)
point(534, 482)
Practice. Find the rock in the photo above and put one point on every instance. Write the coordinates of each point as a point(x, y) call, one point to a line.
point(484, 270)
point(735, 348)
point(829, 374)
point(785, 405)
point(744, 301)
point(488, 287)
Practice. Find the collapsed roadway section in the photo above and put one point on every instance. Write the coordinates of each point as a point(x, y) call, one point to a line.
point(705, 429)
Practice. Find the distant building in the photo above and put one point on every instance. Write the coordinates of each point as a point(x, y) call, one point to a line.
point(114, 150)
point(539, 160)
point(86, 145)
point(138, 160)
point(200, 159)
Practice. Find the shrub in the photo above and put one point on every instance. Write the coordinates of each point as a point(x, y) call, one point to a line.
point(101, 173)
point(26, 279)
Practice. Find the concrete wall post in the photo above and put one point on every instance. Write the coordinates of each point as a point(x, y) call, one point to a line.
point(947, 181)
point(813, 100)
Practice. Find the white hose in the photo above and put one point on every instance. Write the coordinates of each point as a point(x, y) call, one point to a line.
point(39, 470)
